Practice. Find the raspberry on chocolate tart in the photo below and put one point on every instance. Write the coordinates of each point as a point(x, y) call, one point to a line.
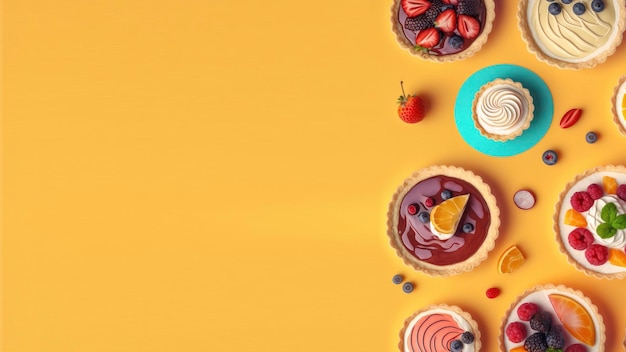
point(443, 220)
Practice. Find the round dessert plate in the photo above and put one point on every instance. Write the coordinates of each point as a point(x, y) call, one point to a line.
point(590, 221)
point(462, 29)
point(437, 327)
point(572, 34)
point(574, 314)
point(618, 105)
point(542, 115)
point(443, 220)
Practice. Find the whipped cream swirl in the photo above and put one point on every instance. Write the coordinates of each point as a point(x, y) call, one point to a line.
point(594, 220)
point(501, 109)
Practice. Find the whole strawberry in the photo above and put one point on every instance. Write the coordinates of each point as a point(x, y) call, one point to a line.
point(411, 108)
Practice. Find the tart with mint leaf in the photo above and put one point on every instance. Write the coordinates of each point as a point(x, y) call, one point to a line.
point(590, 222)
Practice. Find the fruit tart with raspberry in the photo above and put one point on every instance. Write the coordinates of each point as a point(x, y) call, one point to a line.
point(442, 30)
point(590, 222)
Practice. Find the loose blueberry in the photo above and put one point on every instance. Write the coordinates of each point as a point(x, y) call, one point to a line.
point(591, 137)
point(424, 217)
point(397, 279)
point(579, 8)
point(446, 194)
point(407, 287)
point(412, 209)
point(456, 346)
point(550, 157)
point(554, 9)
point(567, 1)
point(456, 41)
point(597, 5)
point(468, 228)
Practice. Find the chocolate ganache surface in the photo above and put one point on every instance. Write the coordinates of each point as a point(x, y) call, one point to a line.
point(416, 236)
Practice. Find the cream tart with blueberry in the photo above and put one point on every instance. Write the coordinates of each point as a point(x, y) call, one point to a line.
point(442, 30)
point(443, 220)
point(440, 328)
point(552, 318)
point(590, 222)
point(572, 34)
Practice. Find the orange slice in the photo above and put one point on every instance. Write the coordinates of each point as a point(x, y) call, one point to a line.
point(574, 218)
point(610, 184)
point(518, 349)
point(575, 318)
point(445, 217)
point(510, 260)
point(617, 257)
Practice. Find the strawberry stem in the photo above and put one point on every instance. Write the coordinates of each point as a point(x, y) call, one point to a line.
point(402, 86)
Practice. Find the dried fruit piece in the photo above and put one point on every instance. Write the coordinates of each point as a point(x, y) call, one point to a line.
point(570, 118)
point(510, 260)
point(574, 218)
point(524, 199)
point(574, 317)
point(610, 185)
point(492, 292)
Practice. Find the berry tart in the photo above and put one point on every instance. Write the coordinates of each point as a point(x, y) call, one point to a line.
point(443, 220)
point(618, 105)
point(552, 318)
point(590, 222)
point(442, 30)
point(440, 328)
point(502, 109)
point(572, 34)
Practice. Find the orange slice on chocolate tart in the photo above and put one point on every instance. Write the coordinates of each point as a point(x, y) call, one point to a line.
point(445, 217)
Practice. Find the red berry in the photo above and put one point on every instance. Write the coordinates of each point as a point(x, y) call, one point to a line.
point(413, 8)
point(427, 38)
point(580, 238)
point(621, 191)
point(411, 209)
point(468, 26)
point(595, 191)
point(576, 348)
point(446, 21)
point(492, 292)
point(570, 118)
point(597, 254)
point(429, 202)
point(581, 201)
point(516, 332)
point(411, 108)
point(527, 310)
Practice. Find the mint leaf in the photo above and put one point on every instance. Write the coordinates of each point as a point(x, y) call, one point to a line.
point(619, 222)
point(605, 230)
point(609, 212)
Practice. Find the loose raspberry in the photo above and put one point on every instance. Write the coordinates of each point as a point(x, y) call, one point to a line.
point(492, 292)
point(595, 191)
point(597, 254)
point(516, 332)
point(576, 348)
point(429, 202)
point(527, 310)
point(580, 238)
point(581, 201)
point(621, 191)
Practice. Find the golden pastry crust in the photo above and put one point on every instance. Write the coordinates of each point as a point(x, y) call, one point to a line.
point(614, 106)
point(557, 223)
point(525, 94)
point(466, 316)
point(560, 288)
point(478, 43)
point(452, 269)
point(535, 48)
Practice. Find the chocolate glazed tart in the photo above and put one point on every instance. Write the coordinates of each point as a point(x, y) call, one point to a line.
point(413, 239)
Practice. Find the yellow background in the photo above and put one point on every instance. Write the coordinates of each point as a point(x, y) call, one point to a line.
point(214, 175)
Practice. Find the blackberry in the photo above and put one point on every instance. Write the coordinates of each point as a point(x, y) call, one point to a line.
point(554, 338)
point(434, 10)
point(541, 322)
point(536, 343)
point(467, 337)
point(468, 7)
point(418, 23)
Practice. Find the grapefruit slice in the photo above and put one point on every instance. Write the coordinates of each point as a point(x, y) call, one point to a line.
point(575, 318)
point(574, 218)
point(510, 260)
point(445, 217)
